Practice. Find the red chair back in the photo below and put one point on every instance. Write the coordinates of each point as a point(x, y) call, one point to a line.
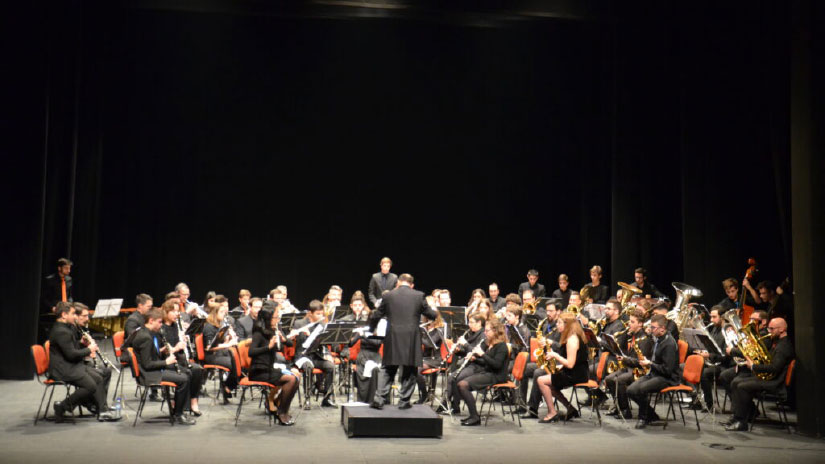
point(243, 354)
point(135, 364)
point(47, 346)
point(353, 352)
point(381, 351)
point(789, 374)
point(447, 346)
point(41, 359)
point(683, 349)
point(117, 342)
point(601, 366)
point(289, 352)
point(693, 368)
point(534, 344)
point(518, 365)
point(237, 357)
point(199, 347)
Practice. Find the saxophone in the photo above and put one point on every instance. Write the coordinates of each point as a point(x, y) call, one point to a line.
point(549, 365)
point(641, 370)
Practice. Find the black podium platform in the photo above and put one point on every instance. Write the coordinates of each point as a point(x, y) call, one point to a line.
point(363, 421)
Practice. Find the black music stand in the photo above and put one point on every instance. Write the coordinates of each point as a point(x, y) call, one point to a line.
point(287, 320)
point(218, 337)
point(336, 333)
point(698, 340)
point(453, 315)
point(592, 339)
point(541, 303)
point(341, 312)
point(515, 338)
point(613, 346)
point(532, 321)
point(195, 327)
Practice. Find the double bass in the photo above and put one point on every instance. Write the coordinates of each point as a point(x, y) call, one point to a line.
point(746, 310)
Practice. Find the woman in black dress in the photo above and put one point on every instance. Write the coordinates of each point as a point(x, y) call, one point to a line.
point(573, 367)
point(265, 341)
point(220, 354)
point(492, 355)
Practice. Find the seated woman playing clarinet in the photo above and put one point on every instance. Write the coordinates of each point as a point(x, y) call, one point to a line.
point(173, 333)
point(492, 355)
point(220, 354)
point(265, 342)
point(573, 368)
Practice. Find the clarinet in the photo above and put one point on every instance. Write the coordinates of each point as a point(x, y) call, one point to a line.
point(468, 357)
point(106, 363)
point(168, 349)
point(186, 348)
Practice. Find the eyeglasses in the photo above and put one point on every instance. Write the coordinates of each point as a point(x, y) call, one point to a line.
point(773, 328)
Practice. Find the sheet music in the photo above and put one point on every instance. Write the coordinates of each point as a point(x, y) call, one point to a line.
point(315, 332)
point(108, 307)
point(381, 330)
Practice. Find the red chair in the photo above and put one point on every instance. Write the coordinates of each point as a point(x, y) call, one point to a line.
point(145, 387)
point(592, 386)
point(506, 390)
point(691, 374)
point(117, 345)
point(209, 368)
point(433, 373)
point(534, 344)
point(41, 365)
point(242, 363)
point(779, 396)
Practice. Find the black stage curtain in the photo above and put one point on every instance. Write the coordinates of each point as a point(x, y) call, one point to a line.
point(238, 151)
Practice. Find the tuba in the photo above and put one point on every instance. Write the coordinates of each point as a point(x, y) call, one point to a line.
point(682, 314)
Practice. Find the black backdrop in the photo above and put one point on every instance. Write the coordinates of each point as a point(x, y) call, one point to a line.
point(235, 150)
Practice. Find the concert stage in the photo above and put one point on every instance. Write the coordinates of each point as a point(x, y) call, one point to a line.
point(318, 437)
point(417, 422)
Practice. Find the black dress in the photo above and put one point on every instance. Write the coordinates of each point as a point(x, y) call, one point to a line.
point(263, 357)
point(568, 377)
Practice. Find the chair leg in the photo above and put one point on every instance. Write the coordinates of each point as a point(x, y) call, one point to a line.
point(43, 397)
point(140, 406)
point(168, 393)
point(240, 405)
point(593, 399)
point(117, 383)
point(681, 412)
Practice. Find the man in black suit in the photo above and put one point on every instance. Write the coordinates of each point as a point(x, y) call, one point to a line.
point(640, 281)
point(154, 369)
point(532, 284)
point(66, 364)
point(382, 281)
point(318, 356)
point(664, 370)
point(56, 287)
point(403, 308)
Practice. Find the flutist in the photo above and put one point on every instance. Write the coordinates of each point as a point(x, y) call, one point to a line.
point(266, 338)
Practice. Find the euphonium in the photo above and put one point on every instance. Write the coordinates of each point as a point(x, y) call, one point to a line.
point(751, 346)
point(627, 294)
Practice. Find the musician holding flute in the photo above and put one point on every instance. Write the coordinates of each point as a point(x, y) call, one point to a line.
point(492, 356)
point(172, 330)
point(465, 367)
point(266, 341)
point(157, 365)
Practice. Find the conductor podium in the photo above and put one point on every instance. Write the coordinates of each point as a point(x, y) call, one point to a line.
point(420, 421)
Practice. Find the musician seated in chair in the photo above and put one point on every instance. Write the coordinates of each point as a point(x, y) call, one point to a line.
point(102, 371)
point(572, 368)
point(464, 346)
point(758, 318)
point(714, 364)
point(66, 364)
point(664, 370)
point(266, 340)
point(157, 365)
point(549, 330)
point(753, 378)
point(219, 354)
point(173, 333)
point(616, 383)
point(491, 356)
point(431, 357)
point(318, 358)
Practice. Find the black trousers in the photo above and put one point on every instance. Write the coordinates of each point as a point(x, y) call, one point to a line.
point(709, 375)
point(743, 390)
point(182, 381)
point(452, 383)
point(616, 385)
point(406, 389)
point(88, 388)
point(323, 382)
point(527, 379)
point(195, 373)
point(225, 359)
point(638, 392)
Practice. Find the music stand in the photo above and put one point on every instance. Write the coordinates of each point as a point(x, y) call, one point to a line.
point(541, 303)
point(195, 327)
point(336, 333)
point(453, 315)
point(286, 321)
point(592, 339)
point(107, 308)
point(516, 340)
point(532, 321)
point(698, 340)
point(613, 346)
point(341, 312)
point(218, 337)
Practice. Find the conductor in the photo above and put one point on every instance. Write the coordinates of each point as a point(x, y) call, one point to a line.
point(403, 308)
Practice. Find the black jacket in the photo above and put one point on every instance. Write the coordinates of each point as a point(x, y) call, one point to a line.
point(665, 360)
point(52, 293)
point(782, 353)
point(538, 291)
point(378, 285)
point(65, 353)
point(152, 363)
point(403, 308)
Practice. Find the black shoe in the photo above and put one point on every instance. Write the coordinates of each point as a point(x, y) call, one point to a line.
point(195, 413)
point(737, 426)
point(404, 405)
point(572, 413)
point(328, 403)
point(642, 423)
point(530, 415)
point(653, 417)
point(443, 410)
point(612, 412)
point(545, 420)
point(627, 414)
point(728, 421)
point(376, 405)
point(183, 420)
point(520, 410)
point(59, 412)
point(471, 421)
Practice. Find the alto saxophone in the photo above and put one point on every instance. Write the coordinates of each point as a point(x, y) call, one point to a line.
point(641, 370)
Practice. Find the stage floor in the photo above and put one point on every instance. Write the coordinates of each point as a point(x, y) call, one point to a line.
point(319, 437)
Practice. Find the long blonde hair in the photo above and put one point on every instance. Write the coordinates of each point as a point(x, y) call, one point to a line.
point(571, 327)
